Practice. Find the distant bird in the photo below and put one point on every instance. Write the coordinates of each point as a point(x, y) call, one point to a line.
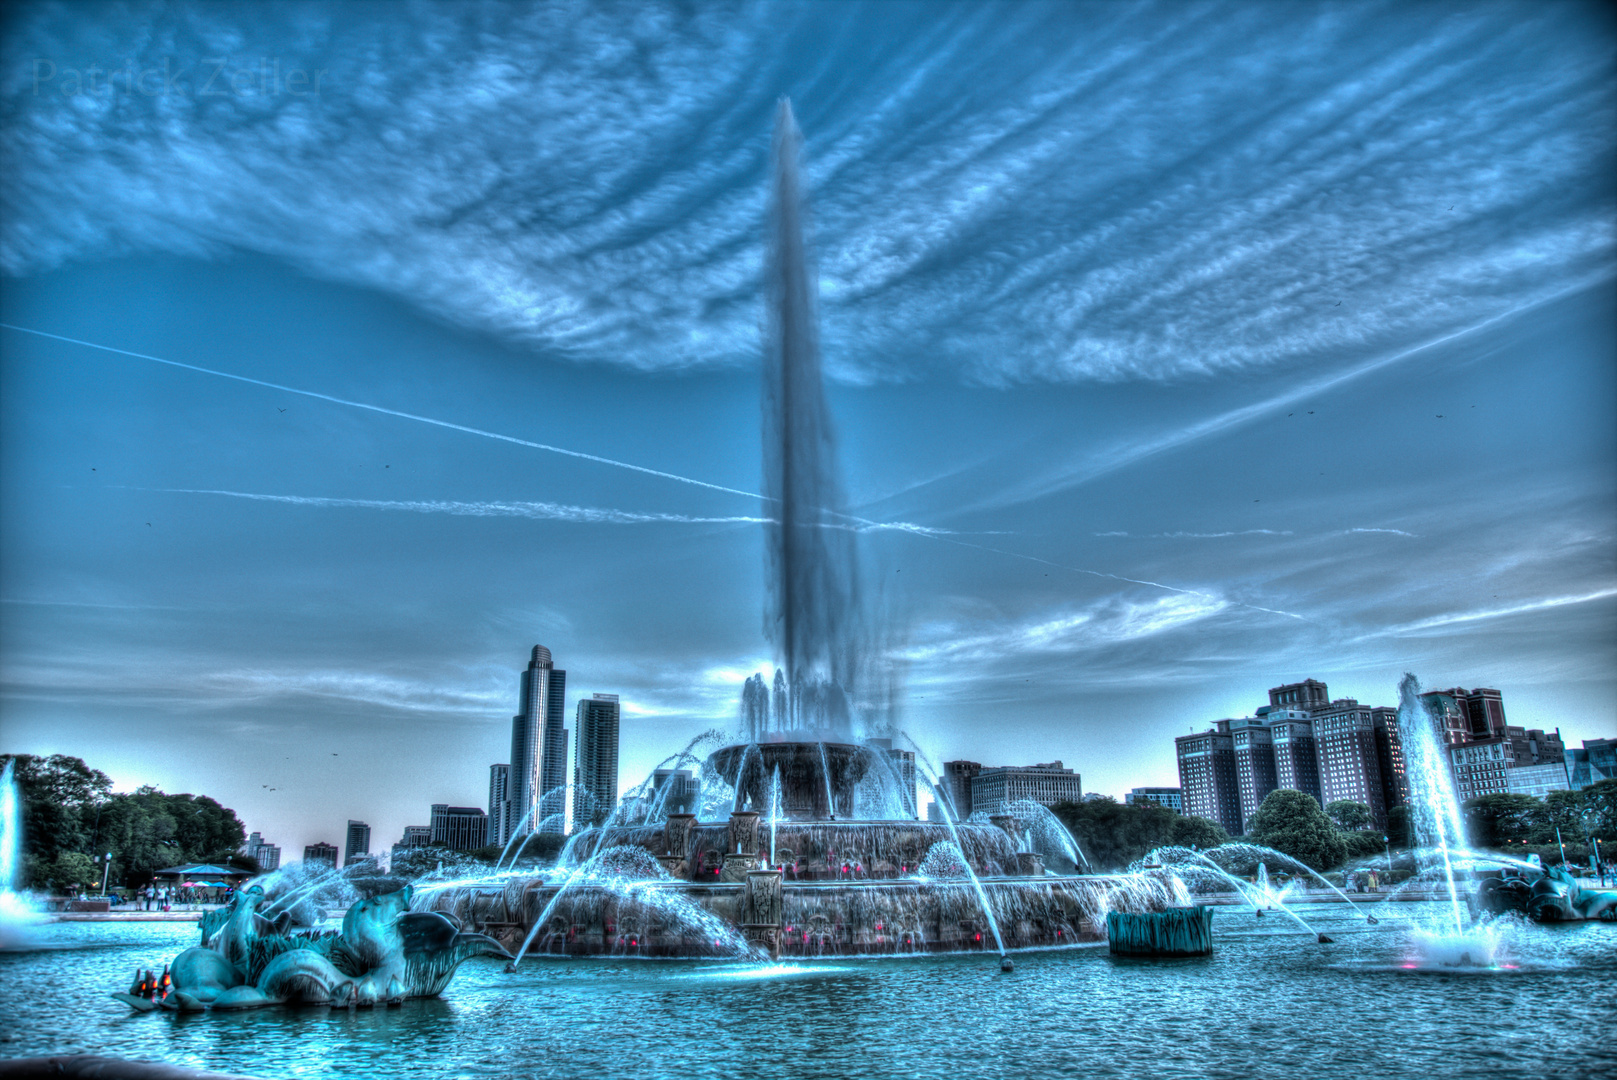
point(1310, 412)
point(148, 524)
point(281, 410)
point(1451, 208)
point(1337, 304)
point(1291, 414)
point(1440, 416)
point(263, 785)
point(334, 753)
point(92, 467)
point(387, 466)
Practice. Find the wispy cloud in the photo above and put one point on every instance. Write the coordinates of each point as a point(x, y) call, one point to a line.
point(1197, 535)
point(1183, 190)
point(1101, 625)
point(1438, 622)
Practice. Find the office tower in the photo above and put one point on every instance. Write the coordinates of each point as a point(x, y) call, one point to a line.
point(499, 804)
point(415, 836)
point(1595, 762)
point(359, 841)
point(1296, 760)
point(1207, 776)
point(539, 750)
point(676, 790)
point(459, 828)
point(267, 856)
point(1171, 797)
point(1254, 751)
point(994, 789)
point(956, 786)
point(1349, 758)
point(321, 853)
point(595, 776)
point(902, 765)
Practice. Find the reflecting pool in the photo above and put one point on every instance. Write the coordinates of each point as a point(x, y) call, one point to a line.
point(1267, 1003)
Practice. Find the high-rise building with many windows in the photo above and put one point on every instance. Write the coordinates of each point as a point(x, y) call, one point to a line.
point(459, 828)
point(1253, 747)
point(1296, 760)
point(359, 841)
point(537, 801)
point(1207, 776)
point(994, 789)
point(1350, 759)
point(1171, 797)
point(595, 773)
point(321, 853)
point(499, 803)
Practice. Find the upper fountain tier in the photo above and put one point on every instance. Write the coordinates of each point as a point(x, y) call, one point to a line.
point(818, 780)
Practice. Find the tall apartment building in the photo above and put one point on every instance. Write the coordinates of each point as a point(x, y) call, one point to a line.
point(595, 774)
point(1253, 746)
point(1047, 784)
point(1350, 759)
point(1171, 797)
point(1296, 759)
point(1207, 776)
point(956, 783)
point(267, 856)
point(359, 841)
point(538, 751)
point(321, 853)
point(1594, 762)
point(459, 828)
point(499, 804)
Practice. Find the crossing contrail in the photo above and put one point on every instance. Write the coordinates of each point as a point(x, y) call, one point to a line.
point(917, 530)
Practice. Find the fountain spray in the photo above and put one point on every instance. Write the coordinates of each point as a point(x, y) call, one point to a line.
point(1436, 810)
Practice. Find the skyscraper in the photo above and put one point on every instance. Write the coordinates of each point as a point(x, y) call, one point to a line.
point(499, 804)
point(1350, 759)
point(1254, 764)
point(539, 749)
point(595, 775)
point(1296, 766)
point(1207, 776)
point(359, 841)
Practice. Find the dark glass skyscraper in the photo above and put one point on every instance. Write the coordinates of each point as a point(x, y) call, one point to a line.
point(539, 750)
point(595, 779)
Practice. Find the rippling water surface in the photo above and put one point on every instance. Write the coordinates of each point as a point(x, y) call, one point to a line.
point(1269, 1003)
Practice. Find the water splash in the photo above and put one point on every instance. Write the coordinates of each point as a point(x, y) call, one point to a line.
point(16, 911)
point(1435, 808)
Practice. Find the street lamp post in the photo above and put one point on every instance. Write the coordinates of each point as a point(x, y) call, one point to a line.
point(105, 870)
point(1386, 842)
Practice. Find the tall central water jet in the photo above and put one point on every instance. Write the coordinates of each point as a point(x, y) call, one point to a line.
point(813, 613)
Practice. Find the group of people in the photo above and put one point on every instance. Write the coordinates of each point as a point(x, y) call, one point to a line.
point(1363, 881)
point(155, 894)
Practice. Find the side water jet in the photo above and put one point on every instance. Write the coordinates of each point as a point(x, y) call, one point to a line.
point(929, 775)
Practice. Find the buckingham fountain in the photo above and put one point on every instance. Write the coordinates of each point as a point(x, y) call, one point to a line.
point(803, 838)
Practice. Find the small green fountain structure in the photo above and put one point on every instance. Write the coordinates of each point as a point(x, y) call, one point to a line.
point(1184, 931)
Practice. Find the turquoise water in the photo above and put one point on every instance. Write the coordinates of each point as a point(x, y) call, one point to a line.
point(1268, 1003)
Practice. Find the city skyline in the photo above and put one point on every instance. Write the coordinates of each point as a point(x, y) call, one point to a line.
point(1173, 354)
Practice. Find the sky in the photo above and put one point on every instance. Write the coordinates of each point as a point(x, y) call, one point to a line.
point(1188, 349)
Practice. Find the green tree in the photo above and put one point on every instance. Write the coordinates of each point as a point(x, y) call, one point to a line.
point(1398, 829)
point(1197, 832)
point(1492, 821)
point(1293, 823)
point(73, 871)
point(1598, 809)
point(1114, 834)
point(60, 801)
point(1349, 816)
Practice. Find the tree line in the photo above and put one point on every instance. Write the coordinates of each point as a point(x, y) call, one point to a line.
point(71, 816)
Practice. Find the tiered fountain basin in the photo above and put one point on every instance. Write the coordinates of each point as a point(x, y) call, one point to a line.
point(800, 886)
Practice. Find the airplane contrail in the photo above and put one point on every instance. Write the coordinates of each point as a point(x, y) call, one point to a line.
point(395, 412)
point(540, 510)
point(917, 530)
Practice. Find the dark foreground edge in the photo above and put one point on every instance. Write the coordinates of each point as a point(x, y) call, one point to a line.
point(89, 1067)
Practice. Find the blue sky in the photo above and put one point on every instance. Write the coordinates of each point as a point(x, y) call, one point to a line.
point(1198, 347)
